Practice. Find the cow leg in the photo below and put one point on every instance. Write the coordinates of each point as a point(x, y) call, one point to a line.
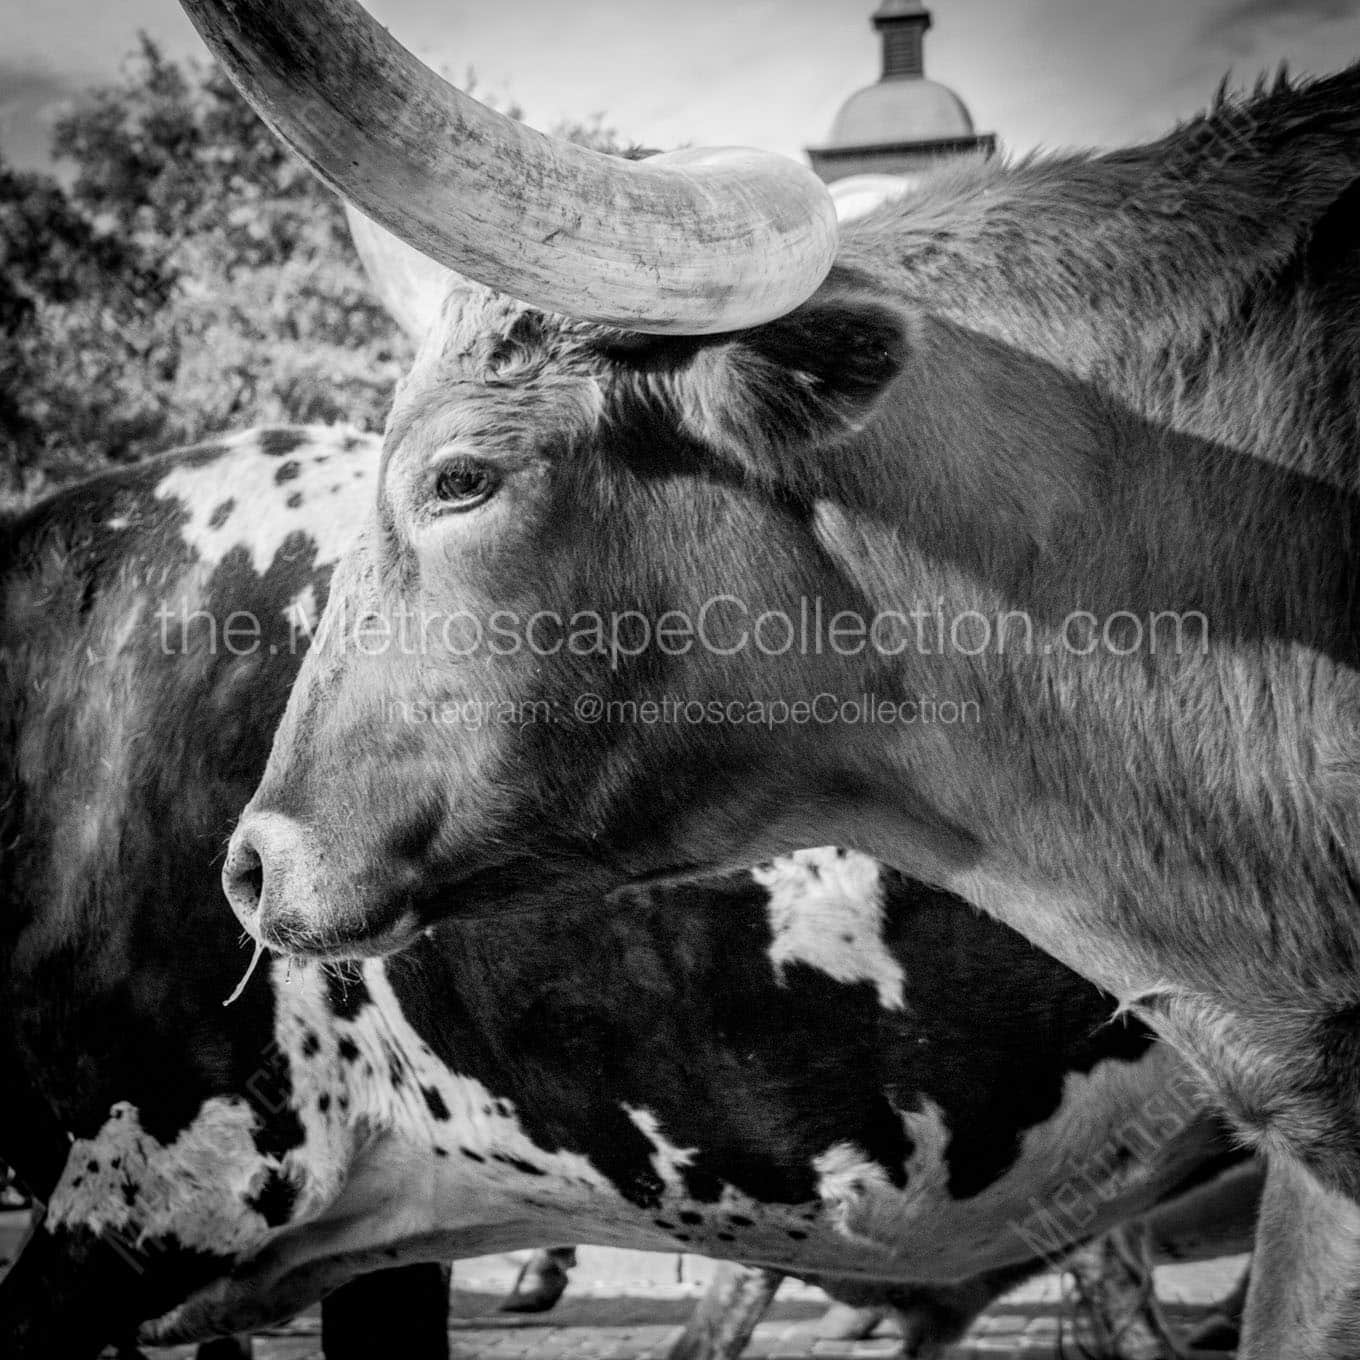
point(1117, 1312)
point(226, 1348)
point(1222, 1330)
point(541, 1281)
point(857, 1309)
point(725, 1318)
point(35, 1144)
point(66, 1297)
point(1304, 1297)
point(403, 1311)
point(845, 1322)
point(1211, 1221)
point(932, 1318)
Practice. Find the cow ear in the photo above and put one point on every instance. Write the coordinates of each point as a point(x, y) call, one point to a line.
point(770, 397)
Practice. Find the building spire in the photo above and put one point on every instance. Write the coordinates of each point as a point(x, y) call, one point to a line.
point(903, 123)
point(903, 24)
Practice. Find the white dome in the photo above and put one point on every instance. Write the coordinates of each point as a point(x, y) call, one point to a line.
point(904, 109)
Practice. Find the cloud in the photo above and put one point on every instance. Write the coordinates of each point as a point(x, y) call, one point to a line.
point(1268, 11)
point(23, 83)
point(1237, 22)
point(30, 98)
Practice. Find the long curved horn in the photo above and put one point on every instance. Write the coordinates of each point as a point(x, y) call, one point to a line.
point(688, 243)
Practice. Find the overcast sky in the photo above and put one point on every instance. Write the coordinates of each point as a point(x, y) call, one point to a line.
point(760, 72)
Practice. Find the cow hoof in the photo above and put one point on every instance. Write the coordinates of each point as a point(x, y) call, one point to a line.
point(842, 1322)
point(536, 1291)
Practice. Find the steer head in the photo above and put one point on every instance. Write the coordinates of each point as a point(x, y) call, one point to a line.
point(589, 500)
point(578, 529)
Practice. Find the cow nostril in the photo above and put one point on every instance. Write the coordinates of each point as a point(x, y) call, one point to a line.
point(243, 879)
point(253, 879)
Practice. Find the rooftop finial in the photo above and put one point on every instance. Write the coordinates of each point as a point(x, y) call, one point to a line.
point(903, 24)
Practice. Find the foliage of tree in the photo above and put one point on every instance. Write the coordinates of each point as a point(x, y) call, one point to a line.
point(188, 276)
point(183, 275)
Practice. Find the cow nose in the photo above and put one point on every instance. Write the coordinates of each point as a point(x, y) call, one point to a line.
point(269, 870)
point(243, 877)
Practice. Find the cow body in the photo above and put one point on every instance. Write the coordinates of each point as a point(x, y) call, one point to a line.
point(886, 1087)
point(127, 738)
point(134, 712)
point(1035, 415)
point(722, 1070)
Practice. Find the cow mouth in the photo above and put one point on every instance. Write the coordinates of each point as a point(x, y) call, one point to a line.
point(694, 242)
point(519, 886)
point(296, 937)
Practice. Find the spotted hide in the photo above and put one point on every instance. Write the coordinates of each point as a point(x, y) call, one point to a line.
point(153, 620)
point(897, 1090)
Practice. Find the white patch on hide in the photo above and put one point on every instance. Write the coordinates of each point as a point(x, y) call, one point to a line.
point(196, 1190)
point(302, 613)
point(667, 1159)
point(392, 1087)
point(335, 502)
point(847, 1184)
point(826, 910)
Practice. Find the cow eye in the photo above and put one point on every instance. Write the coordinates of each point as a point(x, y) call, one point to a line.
point(464, 483)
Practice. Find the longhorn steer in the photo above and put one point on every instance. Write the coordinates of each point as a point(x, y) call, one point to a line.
point(1021, 556)
point(714, 1072)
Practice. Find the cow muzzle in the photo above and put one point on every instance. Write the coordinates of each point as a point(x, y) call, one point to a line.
point(282, 882)
point(270, 873)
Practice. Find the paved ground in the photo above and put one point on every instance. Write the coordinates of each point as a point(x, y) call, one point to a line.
point(586, 1326)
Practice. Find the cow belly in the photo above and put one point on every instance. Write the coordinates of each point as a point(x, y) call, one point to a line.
point(1097, 1162)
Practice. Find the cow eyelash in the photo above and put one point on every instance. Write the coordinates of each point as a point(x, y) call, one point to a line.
point(465, 483)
